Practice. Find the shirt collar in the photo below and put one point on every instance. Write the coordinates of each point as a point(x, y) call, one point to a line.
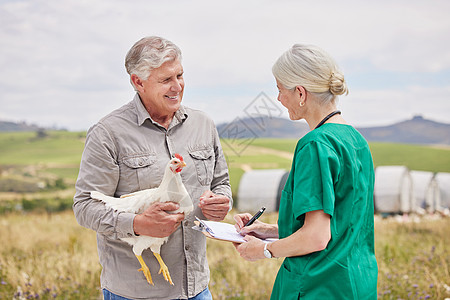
point(143, 115)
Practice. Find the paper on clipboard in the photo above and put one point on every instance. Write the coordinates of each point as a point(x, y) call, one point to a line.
point(221, 231)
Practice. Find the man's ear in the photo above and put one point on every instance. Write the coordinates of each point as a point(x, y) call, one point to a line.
point(137, 82)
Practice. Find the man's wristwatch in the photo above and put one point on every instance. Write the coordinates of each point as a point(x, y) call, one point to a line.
point(267, 252)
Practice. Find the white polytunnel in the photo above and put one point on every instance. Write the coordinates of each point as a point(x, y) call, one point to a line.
point(443, 181)
point(258, 188)
point(426, 191)
point(393, 190)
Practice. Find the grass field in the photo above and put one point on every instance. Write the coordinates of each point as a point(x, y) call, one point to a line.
point(277, 153)
point(51, 256)
point(27, 148)
point(25, 157)
point(45, 254)
point(415, 157)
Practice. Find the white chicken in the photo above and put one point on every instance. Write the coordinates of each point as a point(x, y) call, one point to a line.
point(171, 189)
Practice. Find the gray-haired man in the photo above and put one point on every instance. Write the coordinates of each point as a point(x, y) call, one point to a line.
point(126, 151)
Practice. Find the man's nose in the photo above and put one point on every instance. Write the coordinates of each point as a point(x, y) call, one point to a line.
point(177, 86)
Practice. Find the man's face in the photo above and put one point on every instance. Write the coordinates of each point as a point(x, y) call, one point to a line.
point(162, 92)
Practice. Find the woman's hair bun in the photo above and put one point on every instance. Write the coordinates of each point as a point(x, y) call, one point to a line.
point(337, 84)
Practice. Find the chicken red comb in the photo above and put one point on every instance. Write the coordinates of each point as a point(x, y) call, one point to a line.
point(178, 156)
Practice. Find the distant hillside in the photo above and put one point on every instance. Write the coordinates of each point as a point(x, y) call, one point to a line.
point(7, 126)
point(415, 131)
point(262, 127)
point(22, 126)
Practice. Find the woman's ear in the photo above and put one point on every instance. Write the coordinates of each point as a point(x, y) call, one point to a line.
point(301, 91)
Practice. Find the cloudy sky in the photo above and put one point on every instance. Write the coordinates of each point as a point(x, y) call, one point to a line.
point(61, 61)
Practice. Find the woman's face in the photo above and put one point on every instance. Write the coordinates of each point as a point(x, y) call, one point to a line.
point(291, 100)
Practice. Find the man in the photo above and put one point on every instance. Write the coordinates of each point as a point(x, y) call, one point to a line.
point(127, 151)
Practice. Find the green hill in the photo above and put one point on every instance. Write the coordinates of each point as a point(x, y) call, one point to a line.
point(33, 162)
point(415, 131)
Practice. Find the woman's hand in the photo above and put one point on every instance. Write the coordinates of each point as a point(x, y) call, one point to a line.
point(252, 249)
point(241, 220)
point(258, 229)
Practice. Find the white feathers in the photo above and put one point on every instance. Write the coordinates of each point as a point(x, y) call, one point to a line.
point(171, 189)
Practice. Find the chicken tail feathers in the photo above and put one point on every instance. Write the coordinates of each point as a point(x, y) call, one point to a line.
point(111, 202)
point(99, 196)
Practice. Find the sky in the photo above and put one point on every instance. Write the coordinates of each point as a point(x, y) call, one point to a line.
point(62, 61)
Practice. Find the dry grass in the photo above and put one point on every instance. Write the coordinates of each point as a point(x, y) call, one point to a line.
point(413, 258)
point(234, 278)
point(51, 256)
point(47, 256)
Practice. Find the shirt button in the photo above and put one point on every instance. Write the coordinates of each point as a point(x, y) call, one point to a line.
point(187, 247)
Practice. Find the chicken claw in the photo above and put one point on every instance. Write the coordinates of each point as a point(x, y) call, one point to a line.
point(163, 268)
point(145, 270)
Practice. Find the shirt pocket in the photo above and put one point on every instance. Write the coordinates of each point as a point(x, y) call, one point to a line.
point(140, 171)
point(204, 160)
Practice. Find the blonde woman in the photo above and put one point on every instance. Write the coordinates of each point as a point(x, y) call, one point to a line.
point(325, 223)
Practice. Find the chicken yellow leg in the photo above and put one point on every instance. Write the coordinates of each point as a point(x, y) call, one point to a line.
point(163, 268)
point(145, 270)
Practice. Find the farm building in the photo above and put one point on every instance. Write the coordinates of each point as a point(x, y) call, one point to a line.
point(393, 192)
point(443, 181)
point(397, 190)
point(259, 188)
point(426, 191)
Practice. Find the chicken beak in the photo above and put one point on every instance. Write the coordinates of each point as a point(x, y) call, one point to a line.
point(180, 166)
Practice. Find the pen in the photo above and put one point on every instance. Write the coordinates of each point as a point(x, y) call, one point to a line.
point(256, 216)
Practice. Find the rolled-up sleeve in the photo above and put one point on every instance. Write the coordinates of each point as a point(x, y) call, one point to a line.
point(99, 171)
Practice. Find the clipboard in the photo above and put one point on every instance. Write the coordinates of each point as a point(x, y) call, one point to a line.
point(218, 230)
point(221, 231)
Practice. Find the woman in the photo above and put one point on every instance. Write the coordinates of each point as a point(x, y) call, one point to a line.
point(325, 223)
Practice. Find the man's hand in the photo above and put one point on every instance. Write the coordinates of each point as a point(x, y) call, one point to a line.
point(155, 221)
point(214, 207)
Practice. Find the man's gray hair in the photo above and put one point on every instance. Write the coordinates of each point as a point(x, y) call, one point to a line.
point(150, 53)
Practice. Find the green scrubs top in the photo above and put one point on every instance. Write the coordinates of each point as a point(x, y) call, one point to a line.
point(332, 170)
